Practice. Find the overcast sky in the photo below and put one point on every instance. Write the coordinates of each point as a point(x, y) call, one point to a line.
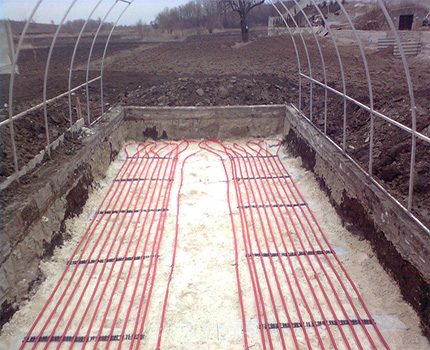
point(55, 9)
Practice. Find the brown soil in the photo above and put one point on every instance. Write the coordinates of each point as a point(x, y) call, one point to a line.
point(214, 70)
point(30, 130)
point(372, 20)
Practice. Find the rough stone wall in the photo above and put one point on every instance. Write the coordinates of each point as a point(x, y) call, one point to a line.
point(34, 211)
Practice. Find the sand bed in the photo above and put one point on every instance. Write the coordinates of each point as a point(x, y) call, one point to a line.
point(203, 309)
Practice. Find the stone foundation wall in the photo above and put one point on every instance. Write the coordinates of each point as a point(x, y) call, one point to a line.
point(401, 244)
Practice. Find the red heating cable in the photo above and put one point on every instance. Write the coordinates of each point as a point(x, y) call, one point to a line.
point(370, 339)
point(241, 174)
point(315, 273)
point(325, 271)
point(252, 175)
point(299, 260)
point(86, 239)
point(248, 242)
point(146, 166)
point(342, 268)
point(120, 227)
point(81, 276)
point(156, 250)
point(142, 230)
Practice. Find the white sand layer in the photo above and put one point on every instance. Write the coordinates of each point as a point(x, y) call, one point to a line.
point(203, 309)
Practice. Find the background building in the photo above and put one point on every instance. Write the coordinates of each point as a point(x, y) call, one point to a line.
point(409, 14)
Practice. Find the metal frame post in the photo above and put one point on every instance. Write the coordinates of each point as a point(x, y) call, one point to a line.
point(12, 82)
point(305, 46)
point(89, 58)
point(45, 79)
point(105, 51)
point(295, 49)
point(413, 104)
point(75, 49)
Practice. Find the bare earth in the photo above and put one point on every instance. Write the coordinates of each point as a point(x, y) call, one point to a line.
point(216, 70)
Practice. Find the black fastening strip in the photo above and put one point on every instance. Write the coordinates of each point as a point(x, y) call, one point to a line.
point(141, 179)
point(301, 253)
point(81, 339)
point(272, 205)
point(271, 156)
point(147, 157)
point(261, 178)
point(131, 211)
point(111, 260)
point(316, 324)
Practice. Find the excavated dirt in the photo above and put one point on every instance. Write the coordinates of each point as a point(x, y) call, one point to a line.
point(30, 131)
point(214, 70)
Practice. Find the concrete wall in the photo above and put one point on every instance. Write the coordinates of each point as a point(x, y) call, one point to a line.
point(392, 4)
point(6, 48)
point(209, 122)
point(368, 37)
point(419, 14)
point(425, 42)
point(274, 31)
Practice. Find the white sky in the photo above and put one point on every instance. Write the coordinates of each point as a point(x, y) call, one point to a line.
point(55, 9)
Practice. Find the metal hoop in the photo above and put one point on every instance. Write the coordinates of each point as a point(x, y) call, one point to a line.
point(75, 49)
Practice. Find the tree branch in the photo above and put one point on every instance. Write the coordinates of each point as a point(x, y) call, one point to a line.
point(251, 6)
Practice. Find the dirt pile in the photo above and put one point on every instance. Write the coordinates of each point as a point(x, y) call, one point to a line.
point(214, 91)
point(372, 20)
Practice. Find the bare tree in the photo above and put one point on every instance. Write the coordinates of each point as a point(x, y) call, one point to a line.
point(211, 14)
point(168, 20)
point(243, 8)
point(140, 28)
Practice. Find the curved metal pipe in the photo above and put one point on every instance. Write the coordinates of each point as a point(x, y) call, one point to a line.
point(297, 53)
point(413, 105)
point(305, 46)
point(12, 81)
point(322, 62)
point(367, 108)
point(342, 70)
point(89, 58)
point(372, 112)
point(45, 79)
point(75, 49)
point(369, 85)
point(105, 51)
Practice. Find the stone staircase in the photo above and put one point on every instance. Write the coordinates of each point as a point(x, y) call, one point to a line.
point(410, 47)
